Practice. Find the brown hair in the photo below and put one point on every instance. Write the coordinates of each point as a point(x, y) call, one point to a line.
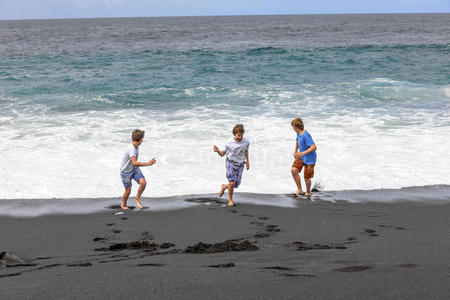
point(137, 135)
point(238, 129)
point(297, 123)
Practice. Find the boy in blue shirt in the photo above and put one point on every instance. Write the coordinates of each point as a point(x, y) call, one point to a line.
point(305, 155)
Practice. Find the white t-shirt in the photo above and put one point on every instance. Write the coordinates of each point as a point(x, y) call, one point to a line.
point(127, 165)
point(236, 150)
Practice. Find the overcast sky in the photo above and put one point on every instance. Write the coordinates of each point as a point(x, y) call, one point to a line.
point(43, 9)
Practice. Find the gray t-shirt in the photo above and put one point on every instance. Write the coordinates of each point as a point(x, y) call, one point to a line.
point(127, 165)
point(236, 150)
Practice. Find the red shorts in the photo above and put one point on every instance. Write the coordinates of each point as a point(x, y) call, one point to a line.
point(309, 169)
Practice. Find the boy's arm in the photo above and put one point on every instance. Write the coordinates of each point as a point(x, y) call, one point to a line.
point(221, 153)
point(247, 163)
point(296, 148)
point(307, 151)
point(140, 164)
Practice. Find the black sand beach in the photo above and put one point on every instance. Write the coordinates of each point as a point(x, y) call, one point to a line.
point(319, 250)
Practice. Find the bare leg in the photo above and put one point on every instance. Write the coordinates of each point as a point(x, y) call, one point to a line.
point(308, 186)
point(125, 196)
point(142, 184)
point(296, 177)
point(222, 189)
point(230, 193)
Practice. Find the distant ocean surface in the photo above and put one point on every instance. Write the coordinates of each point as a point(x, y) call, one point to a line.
point(373, 91)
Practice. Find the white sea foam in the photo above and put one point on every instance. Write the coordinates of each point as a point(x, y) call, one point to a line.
point(50, 155)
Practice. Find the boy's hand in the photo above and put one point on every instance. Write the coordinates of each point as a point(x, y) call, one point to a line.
point(215, 149)
point(152, 161)
point(298, 155)
point(247, 165)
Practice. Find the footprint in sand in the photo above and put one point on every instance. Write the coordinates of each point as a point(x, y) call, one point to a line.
point(354, 269)
point(229, 265)
point(150, 265)
point(278, 268)
point(80, 265)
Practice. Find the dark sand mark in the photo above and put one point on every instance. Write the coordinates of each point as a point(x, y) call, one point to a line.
point(147, 235)
point(261, 235)
point(136, 245)
point(229, 265)
point(101, 249)
point(99, 239)
point(400, 228)
point(247, 215)
point(384, 226)
point(110, 224)
point(80, 265)
point(272, 228)
point(10, 275)
point(407, 266)
point(124, 218)
point(257, 223)
point(302, 246)
point(119, 256)
point(117, 231)
point(263, 218)
point(9, 259)
point(221, 247)
point(373, 234)
point(369, 230)
point(354, 269)
point(120, 208)
point(152, 253)
point(297, 275)
point(42, 258)
point(166, 245)
point(49, 266)
point(352, 239)
point(113, 260)
point(278, 268)
point(202, 200)
point(150, 265)
point(232, 210)
point(22, 265)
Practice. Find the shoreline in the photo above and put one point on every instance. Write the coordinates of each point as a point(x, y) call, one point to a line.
point(430, 194)
point(315, 250)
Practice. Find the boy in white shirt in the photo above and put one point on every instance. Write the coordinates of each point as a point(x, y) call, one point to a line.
point(237, 155)
point(129, 169)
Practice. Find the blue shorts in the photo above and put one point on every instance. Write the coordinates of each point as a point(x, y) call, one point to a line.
point(234, 171)
point(135, 174)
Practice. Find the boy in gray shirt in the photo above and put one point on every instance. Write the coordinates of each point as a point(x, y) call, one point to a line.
point(237, 155)
point(129, 169)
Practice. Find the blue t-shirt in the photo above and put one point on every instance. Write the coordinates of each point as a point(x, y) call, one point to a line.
point(304, 142)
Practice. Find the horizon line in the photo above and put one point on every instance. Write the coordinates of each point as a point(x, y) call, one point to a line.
point(236, 15)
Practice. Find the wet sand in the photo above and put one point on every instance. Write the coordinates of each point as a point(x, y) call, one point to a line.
point(319, 250)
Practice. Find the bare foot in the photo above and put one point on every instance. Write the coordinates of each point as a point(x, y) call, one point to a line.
point(222, 190)
point(124, 207)
point(299, 192)
point(308, 194)
point(139, 203)
point(230, 203)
